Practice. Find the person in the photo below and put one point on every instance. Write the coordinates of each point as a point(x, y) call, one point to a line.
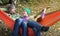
point(44, 28)
point(43, 14)
point(33, 24)
point(36, 26)
point(21, 22)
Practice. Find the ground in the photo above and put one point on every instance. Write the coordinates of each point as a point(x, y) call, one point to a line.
point(35, 8)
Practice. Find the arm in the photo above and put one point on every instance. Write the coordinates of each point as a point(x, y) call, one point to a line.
point(43, 11)
point(30, 17)
point(37, 14)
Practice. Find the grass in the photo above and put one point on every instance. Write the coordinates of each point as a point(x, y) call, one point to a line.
point(36, 6)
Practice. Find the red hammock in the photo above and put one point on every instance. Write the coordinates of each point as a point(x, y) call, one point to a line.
point(48, 21)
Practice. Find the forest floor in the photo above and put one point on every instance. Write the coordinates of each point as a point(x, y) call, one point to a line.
point(36, 8)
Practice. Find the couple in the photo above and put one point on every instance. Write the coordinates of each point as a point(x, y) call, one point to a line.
point(26, 22)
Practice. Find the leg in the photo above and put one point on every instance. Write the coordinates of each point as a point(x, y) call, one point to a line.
point(45, 29)
point(35, 26)
point(16, 27)
point(24, 29)
point(38, 33)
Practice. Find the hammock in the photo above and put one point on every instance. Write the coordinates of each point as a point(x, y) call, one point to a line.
point(48, 21)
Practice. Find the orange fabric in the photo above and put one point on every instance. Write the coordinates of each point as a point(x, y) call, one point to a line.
point(49, 19)
point(6, 19)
